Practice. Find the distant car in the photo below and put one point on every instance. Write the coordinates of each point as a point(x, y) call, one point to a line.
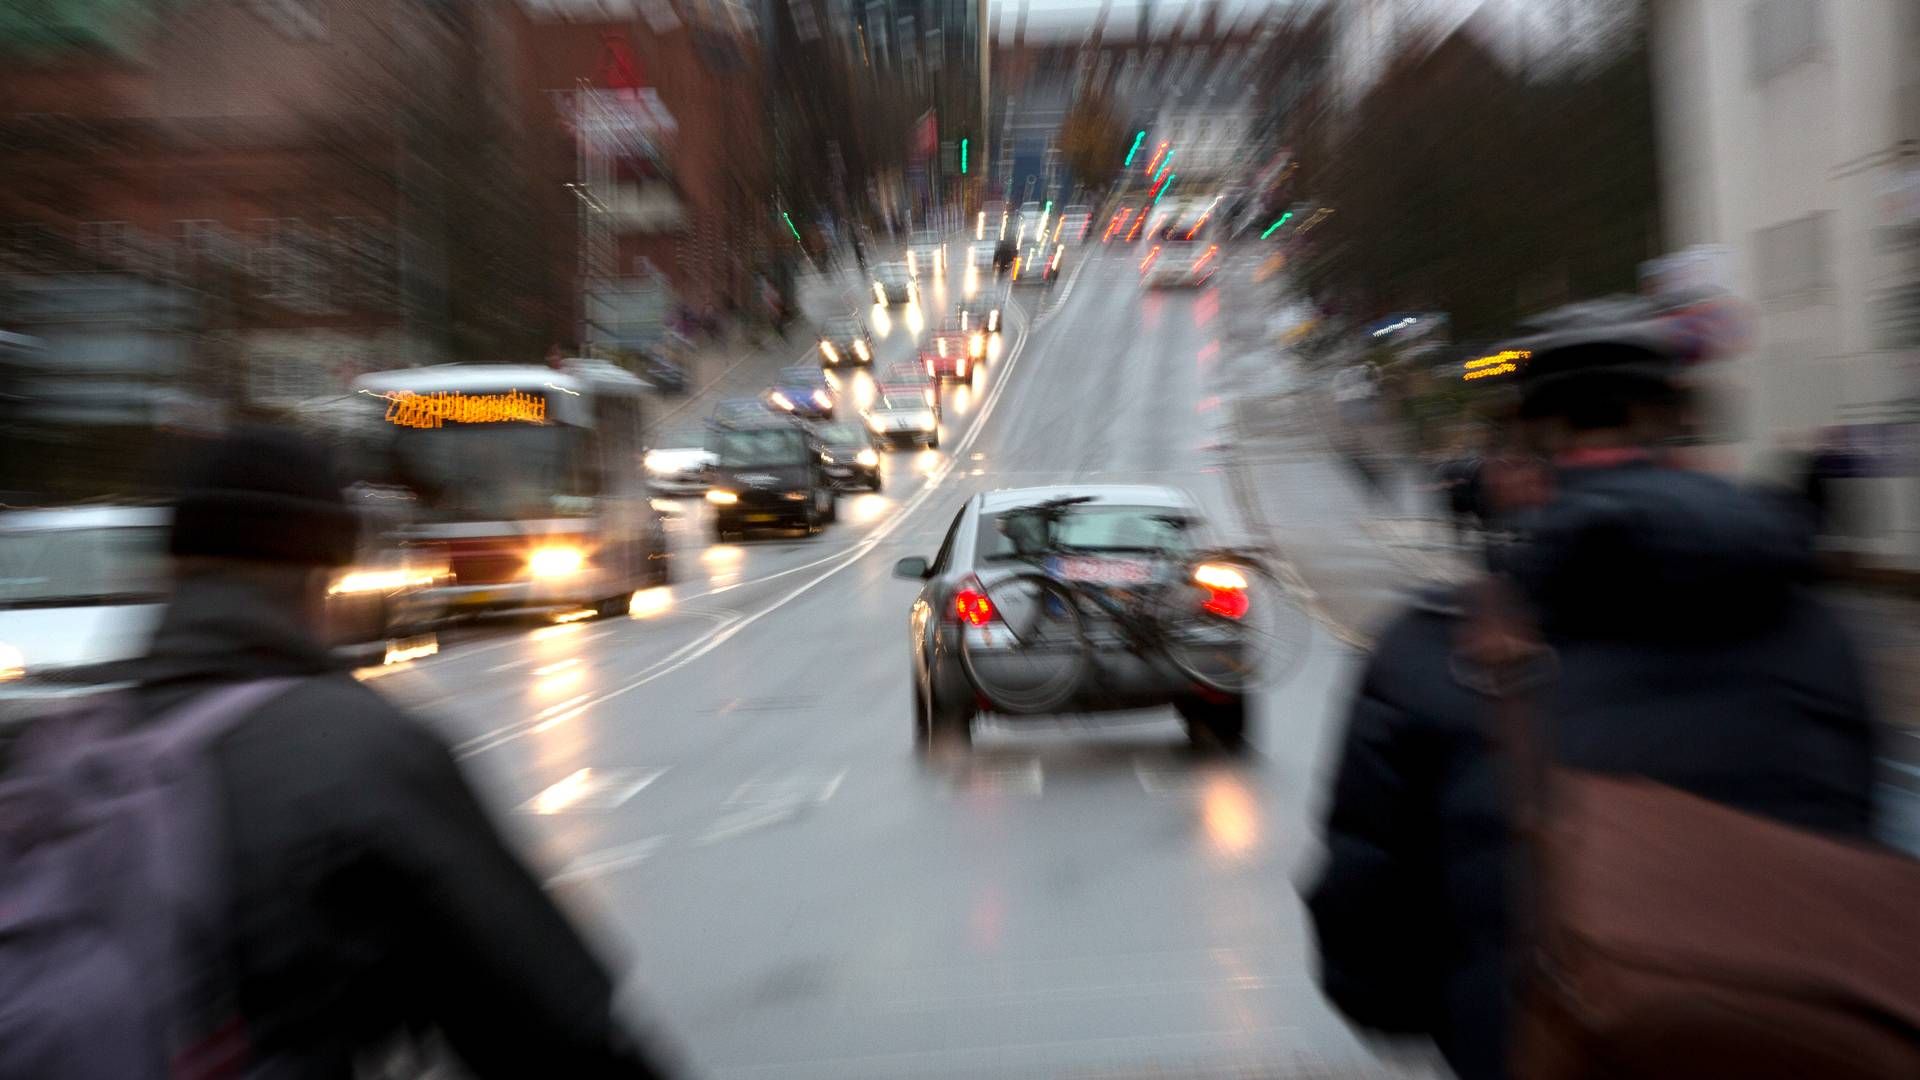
point(980, 256)
point(768, 472)
point(982, 314)
point(1179, 266)
point(893, 284)
point(679, 462)
point(926, 255)
point(953, 352)
point(1075, 221)
point(905, 412)
point(1039, 264)
point(844, 341)
point(1125, 538)
point(853, 454)
point(801, 389)
point(913, 373)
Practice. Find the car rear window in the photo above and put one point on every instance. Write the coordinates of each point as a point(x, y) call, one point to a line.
point(1096, 528)
point(769, 446)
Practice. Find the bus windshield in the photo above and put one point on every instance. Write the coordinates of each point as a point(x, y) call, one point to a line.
point(494, 471)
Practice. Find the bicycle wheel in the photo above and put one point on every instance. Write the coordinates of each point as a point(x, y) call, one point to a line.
point(1023, 643)
point(1231, 626)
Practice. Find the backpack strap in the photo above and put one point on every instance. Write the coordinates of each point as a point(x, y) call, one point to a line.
point(208, 716)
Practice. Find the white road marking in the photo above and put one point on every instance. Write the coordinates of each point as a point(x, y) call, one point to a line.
point(590, 789)
point(608, 860)
point(765, 803)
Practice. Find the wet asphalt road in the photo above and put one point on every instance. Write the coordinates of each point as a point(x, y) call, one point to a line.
point(724, 783)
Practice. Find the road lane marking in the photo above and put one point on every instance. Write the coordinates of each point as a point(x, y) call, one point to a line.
point(590, 789)
point(608, 860)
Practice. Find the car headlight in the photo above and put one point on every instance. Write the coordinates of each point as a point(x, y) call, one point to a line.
point(13, 663)
point(366, 581)
point(924, 419)
point(977, 346)
point(795, 496)
point(781, 400)
point(880, 292)
point(875, 424)
point(558, 560)
point(721, 497)
point(860, 350)
point(868, 458)
point(823, 399)
point(827, 350)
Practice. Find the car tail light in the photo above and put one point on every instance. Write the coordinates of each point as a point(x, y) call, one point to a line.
point(971, 606)
point(1226, 590)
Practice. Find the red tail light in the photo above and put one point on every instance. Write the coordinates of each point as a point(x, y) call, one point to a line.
point(1226, 603)
point(972, 607)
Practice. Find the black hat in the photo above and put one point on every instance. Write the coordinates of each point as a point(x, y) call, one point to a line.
point(267, 494)
point(1590, 362)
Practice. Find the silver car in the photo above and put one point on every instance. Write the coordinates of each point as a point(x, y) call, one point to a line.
point(680, 463)
point(1126, 538)
point(79, 586)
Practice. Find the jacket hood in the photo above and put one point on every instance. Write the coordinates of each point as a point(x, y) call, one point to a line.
point(1649, 551)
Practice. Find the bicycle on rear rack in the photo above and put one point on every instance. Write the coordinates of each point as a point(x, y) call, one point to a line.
point(1218, 616)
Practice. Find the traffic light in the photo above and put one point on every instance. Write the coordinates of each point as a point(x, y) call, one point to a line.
point(1138, 138)
point(1281, 220)
point(963, 157)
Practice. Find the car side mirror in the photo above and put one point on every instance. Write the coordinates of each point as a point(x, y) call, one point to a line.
point(913, 568)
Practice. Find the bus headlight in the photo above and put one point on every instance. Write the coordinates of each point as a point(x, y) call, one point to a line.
point(721, 497)
point(558, 560)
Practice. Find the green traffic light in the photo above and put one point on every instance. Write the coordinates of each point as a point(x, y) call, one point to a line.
point(963, 157)
point(790, 228)
point(1281, 220)
point(1138, 138)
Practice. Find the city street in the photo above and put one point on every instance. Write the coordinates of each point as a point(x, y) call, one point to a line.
point(725, 781)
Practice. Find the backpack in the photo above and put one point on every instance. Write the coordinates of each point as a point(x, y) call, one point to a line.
point(1665, 935)
point(112, 893)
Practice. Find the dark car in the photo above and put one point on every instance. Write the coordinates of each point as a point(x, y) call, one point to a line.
point(768, 473)
point(844, 341)
point(803, 391)
point(893, 283)
point(853, 454)
point(1125, 538)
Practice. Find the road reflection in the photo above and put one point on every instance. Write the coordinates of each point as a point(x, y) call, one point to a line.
point(723, 563)
point(1229, 815)
point(651, 603)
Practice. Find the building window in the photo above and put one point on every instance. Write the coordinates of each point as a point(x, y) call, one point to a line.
point(1792, 260)
point(1781, 34)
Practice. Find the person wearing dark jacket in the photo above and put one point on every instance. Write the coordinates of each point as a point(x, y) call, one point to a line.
point(372, 897)
point(1689, 651)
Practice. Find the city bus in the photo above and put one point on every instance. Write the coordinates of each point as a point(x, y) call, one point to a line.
point(525, 484)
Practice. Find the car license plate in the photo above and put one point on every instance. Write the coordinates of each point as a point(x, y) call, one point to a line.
point(762, 517)
point(481, 597)
point(1101, 571)
point(839, 470)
